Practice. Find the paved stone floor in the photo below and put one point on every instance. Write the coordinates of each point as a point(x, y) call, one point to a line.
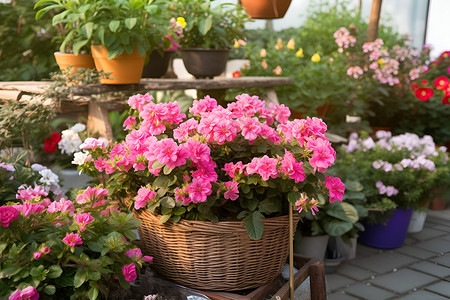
point(419, 270)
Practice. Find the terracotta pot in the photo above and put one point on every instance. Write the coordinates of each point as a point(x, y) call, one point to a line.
point(438, 203)
point(205, 62)
point(157, 65)
point(266, 9)
point(65, 60)
point(124, 69)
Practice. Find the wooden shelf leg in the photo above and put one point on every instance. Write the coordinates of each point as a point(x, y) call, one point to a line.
point(272, 96)
point(98, 120)
point(317, 281)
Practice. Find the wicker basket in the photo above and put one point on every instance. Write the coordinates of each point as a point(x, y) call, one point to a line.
point(215, 256)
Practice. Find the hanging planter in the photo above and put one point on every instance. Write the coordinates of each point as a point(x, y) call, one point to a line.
point(205, 62)
point(65, 60)
point(266, 9)
point(125, 68)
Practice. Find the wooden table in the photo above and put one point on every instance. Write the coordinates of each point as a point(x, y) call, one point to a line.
point(97, 108)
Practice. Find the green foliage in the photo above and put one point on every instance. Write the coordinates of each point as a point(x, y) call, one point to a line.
point(26, 49)
point(209, 25)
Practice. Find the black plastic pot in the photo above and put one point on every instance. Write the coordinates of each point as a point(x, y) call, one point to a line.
point(205, 62)
point(157, 65)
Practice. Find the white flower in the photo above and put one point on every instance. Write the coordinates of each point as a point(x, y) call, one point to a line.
point(80, 158)
point(368, 143)
point(70, 142)
point(78, 127)
point(48, 177)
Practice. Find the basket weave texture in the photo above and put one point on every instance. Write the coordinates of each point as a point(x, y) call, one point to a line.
point(215, 256)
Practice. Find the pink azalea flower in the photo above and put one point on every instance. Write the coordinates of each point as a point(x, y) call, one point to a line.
point(232, 168)
point(37, 255)
point(281, 112)
point(100, 164)
point(28, 293)
point(62, 205)
point(335, 187)
point(323, 154)
point(129, 271)
point(7, 215)
point(137, 140)
point(143, 196)
point(232, 192)
point(31, 208)
point(136, 252)
point(267, 167)
point(72, 239)
point(91, 194)
point(250, 127)
point(129, 123)
point(92, 143)
point(138, 101)
point(45, 250)
point(185, 129)
point(199, 190)
point(202, 106)
point(27, 193)
point(83, 219)
point(198, 152)
point(148, 258)
point(170, 154)
point(291, 167)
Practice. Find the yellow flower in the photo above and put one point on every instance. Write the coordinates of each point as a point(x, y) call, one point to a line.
point(380, 61)
point(291, 44)
point(263, 53)
point(279, 44)
point(239, 43)
point(299, 53)
point(181, 21)
point(315, 57)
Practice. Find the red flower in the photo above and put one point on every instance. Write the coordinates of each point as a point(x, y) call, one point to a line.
point(237, 74)
point(414, 86)
point(446, 98)
point(51, 144)
point(441, 83)
point(444, 54)
point(424, 93)
point(424, 82)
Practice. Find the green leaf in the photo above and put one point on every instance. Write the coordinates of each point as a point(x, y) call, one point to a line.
point(130, 22)
point(254, 225)
point(88, 28)
point(54, 271)
point(93, 293)
point(205, 25)
point(270, 205)
point(293, 197)
point(168, 202)
point(50, 289)
point(161, 181)
point(337, 227)
point(114, 25)
point(167, 170)
point(80, 278)
point(39, 272)
point(156, 165)
point(94, 246)
point(78, 45)
point(3, 246)
point(164, 219)
point(8, 272)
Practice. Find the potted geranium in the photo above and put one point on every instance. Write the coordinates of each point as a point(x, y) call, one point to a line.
point(209, 31)
point(74, 33)
point(215, 186)
point(397, 174)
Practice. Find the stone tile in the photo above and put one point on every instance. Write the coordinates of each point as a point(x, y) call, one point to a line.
point(442, 228)
point(403, 280)
point(416, 252)
point(427, 233)
point(369, 292)
point(354, 272)
point(432, 269)
point(443, 260)
point(437, 245)
point(363, 250)
point(340, 296)
point(442, 288)
point(383, 262)
point(421, 295)
point(336, 281)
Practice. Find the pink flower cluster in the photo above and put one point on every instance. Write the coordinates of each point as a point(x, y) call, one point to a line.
point(388, 190)
point(344, 39)
point(162, 139)
point(28, 293)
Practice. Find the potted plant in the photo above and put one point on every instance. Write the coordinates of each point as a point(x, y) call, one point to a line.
point(78, 249)
point(266, 9)
point(209, 30)
point(74, 32)
point(389, 168)
point(216, 183)
point(121, 34)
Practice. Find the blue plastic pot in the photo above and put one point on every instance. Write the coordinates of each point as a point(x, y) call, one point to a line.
point(390, 235)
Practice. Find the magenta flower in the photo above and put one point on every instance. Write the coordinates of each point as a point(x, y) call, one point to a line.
point(199, 190)
point(37, 255)
point(136, 252)
point(323, 155)
point(335, 187)
point(143, 196)
point(267, 167)
point(27, 193)
point(232, 192)
point(233, 169)
point(185, 129)
point(138, 101)
point(202, 106)
point(170, 154)
point(91, 194)
point(7, 215)
point(291, 167)
point(72, 239)
point(251, 127)
point(129, 271)
point(129, 123)
point(31, 208)
point(83, 219)
point(28, 293)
